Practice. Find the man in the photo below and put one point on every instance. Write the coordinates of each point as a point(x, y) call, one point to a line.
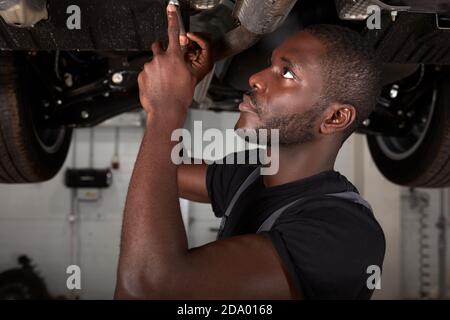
point(321, 84)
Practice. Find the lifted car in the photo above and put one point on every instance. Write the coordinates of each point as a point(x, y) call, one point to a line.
point(74, 63)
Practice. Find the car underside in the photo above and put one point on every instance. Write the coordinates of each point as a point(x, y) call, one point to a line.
point(58, 73)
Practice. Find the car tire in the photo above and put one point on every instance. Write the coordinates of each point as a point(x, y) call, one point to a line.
point(426, 162)
point(29, 151)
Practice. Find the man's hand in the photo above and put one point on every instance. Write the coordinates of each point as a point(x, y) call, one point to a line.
point(199, 55)
point(167, 83)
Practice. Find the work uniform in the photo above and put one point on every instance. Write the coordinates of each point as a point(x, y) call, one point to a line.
point(329, 242)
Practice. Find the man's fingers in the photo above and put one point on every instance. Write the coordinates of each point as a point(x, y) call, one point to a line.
point(156, 48)
point(173, 28)
point(184, 40)
point(203, 44)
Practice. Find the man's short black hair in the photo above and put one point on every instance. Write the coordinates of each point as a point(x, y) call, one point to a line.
point(350, 69)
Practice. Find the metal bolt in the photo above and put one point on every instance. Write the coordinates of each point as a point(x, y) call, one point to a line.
point(366, 122)
point(68, 79)
point(394, 15)
point(117, 78)
point(84, 114)
point(394, 91)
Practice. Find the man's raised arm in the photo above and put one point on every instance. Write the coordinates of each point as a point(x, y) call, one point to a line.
point(192, 182)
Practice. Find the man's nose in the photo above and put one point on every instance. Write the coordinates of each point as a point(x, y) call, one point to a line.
point(257, 82)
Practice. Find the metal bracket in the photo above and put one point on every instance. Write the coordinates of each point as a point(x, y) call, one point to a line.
point(440, 20)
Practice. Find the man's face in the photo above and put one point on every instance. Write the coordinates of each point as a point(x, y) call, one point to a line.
point(286, 95)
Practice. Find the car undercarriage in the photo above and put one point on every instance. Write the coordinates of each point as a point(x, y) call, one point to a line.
point(58, 73)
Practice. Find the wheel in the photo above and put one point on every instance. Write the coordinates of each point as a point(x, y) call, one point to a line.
point(30, 150)
point(421, 156)
point(22, 284)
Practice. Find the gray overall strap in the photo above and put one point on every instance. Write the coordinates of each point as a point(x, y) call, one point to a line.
point(270, 221)
point(350, 196)
point(248, 181)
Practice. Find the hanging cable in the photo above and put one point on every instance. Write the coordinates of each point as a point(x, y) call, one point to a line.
point(442, 248)
point(115, 163)
point(91, 147)
point(74, 216)
point(420, 201)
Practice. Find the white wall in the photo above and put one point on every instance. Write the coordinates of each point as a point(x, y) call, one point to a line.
point(385, 200)
point(421, 222)
point(34, 218)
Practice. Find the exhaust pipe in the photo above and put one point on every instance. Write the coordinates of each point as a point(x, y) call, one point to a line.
point(257, 18)
point(23, 13)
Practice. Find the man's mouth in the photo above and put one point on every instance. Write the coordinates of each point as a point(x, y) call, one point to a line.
point(247, 105)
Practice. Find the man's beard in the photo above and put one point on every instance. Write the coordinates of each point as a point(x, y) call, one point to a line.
point(293, 129)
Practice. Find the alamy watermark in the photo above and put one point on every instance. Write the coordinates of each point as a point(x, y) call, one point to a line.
point(219, 145)
point(74, 279)
point(374, 280)
point(374, 17)
point(74, 20)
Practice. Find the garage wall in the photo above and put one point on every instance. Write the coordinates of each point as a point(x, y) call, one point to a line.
point(424, 244)
point(34, 219)
point(386, 203)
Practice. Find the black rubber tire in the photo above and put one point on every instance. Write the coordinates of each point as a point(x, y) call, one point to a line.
point(429, 165)
point(23, 159)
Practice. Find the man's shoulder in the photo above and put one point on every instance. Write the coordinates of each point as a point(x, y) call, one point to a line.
point(328, 242)
point(343, 204)
point(333, 215)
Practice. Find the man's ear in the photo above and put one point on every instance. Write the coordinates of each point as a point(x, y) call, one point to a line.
point(338, 117)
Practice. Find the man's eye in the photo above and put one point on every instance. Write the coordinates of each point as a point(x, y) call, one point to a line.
point(288, 74)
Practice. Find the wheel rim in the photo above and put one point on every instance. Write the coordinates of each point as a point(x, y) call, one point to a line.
point(50, 140)
point(400, 148)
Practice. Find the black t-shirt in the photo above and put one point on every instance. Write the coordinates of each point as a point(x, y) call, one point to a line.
point(325, 243)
